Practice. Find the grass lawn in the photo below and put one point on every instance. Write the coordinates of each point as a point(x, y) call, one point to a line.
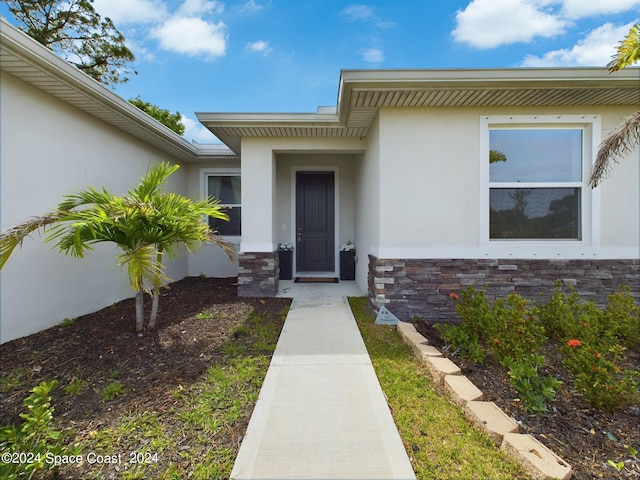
point(440, 441)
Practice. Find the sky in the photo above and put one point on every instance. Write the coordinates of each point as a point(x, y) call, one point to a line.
point(286, 55)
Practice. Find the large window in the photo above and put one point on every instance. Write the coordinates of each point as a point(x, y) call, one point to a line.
point(226, 188)
point(536, 183)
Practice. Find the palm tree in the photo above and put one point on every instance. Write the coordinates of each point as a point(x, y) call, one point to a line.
point(624, 138)
point(146, 225)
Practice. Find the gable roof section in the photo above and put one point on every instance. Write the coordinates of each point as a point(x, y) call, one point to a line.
point(362, 92)
point(31, 62)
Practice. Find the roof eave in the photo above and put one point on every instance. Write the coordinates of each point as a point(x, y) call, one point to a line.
point(35, 64)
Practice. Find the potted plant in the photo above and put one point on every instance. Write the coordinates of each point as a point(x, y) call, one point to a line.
point(347, 261)
point(285, 253)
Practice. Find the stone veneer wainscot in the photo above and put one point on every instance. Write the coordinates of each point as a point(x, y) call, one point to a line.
point(421, 287)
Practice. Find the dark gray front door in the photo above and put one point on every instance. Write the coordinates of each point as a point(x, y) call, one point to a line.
point(315, 222)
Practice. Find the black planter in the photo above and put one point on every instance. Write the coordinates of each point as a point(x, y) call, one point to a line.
point(286, 265)
point(348, 265)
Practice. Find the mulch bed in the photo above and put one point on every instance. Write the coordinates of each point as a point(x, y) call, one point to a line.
point(103, 347)
point(583, 436)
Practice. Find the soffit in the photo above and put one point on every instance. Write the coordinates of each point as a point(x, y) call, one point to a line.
point(363, 92)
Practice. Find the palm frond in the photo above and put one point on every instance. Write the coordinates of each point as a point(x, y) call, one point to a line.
point(14, 237)
point(155, 177)
point(619, 142)
point(627, 51)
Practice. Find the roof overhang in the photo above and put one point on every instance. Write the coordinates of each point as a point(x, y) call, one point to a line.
point(362, 93)
point(31, 62)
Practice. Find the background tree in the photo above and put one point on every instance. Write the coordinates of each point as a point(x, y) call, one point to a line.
point(171, 120)
point(627, 136)
point(77, 33)
point(146, 224)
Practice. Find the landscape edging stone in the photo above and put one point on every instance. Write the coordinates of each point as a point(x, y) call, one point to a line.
point(539, 461)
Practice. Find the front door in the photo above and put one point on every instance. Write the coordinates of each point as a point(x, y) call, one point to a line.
point(315, 222)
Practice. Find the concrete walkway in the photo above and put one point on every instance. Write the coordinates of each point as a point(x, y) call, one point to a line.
point(321, 413)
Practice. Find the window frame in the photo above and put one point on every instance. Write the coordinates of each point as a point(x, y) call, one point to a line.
point(205, 173)
point(589, 199)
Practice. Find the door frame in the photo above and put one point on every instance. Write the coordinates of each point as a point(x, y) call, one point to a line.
point(336, 217)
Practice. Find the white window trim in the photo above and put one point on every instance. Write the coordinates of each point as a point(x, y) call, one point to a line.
point(590, 198)
point(204, 189)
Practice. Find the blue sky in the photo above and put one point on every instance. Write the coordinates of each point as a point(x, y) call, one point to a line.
point(286, 55)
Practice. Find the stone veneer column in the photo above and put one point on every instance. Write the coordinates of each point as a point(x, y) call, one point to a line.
point(258, 274)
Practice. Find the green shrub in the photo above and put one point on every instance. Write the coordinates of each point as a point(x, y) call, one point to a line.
point(476, 313)
point(533, 390)
point(518, 332)
point(599, 377)
point(507, 327)
point(559, 316)
point(462, 340)
point(623, 316)
point(31, 446)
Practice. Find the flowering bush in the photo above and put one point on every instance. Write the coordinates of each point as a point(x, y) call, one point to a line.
point(599, 376)
point(508, 328)
point(592, 341)
point(285, 247)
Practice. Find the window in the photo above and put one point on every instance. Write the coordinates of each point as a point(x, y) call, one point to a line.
point(536, 182)
point(225, 186)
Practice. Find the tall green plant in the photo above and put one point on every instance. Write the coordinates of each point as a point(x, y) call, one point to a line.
point(148, 224)
point(32, 445)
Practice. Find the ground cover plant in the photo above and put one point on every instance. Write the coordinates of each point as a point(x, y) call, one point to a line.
point(439, 440)
point(567, 370)
point(171, 404)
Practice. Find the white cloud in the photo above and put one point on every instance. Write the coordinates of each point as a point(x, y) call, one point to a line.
point(194, 130)
point(259, 46)
point(363, 13)
point(192, 36)
point(586, 8)
point(251, 7)
point(373, 55)
point(123, 12)
point(595, 49)
point(199, 7)
point(489, 23)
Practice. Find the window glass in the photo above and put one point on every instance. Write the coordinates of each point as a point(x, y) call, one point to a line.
point(226, 189)
point(535, 213)
point(539, 155)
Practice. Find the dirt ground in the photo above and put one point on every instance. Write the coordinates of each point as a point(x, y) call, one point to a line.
point(583, 436)
point(103, 347)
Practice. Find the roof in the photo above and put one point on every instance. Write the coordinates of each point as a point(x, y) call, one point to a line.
point(33, 63)
point(362, 93)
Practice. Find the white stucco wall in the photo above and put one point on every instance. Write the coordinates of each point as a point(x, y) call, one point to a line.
point(210, 260)
point(49, 149)
point(368, 219)
point(430, 186)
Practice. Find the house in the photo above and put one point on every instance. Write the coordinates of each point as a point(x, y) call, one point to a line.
point(441, 179)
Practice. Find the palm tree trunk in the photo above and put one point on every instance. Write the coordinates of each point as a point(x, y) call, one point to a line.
point(155, 297)
point(140, 310)
point(157, 285)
